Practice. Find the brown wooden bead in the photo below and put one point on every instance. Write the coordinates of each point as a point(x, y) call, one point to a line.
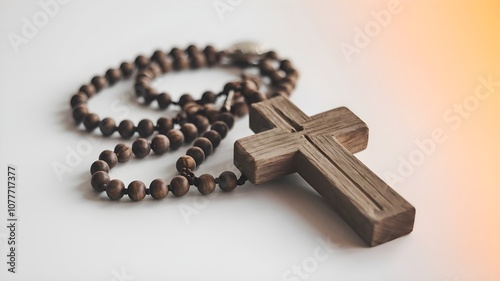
point(239, 109)
point(206, 184)
point(113, 75)
point(205, 144)
point(185, 99)
point(228, 181)
point(145, 128)
point(232, 86)
point(271, 55)
point(163, 100)
point(150, 94)
point(145, 74)
point(80, 98)
point(176, 139)
point(179, 185)
point(142, 61)
point(266, 67)
point(208, 106)
point(208, 97)
point(99, 83)
point(227, 118)
point(189, 131)
point(286, 66)
point(275, 77)
point(176, 52)
point(140, 87)
point(115, 189)
point(214, 138)
point(91, 122)
point(185, 162)
point(107, 126)
point(254, 97)
point(211, 114)
point(289, 79)
point(109, 157)
point(158, 55)
point(165, 65)
point(164, 125)
point(88, 89)
point(99, 165)
point(141, 148)
point(201, 123)
point(136, 190)
point(196, 57)
point(192, 49)
point(127, 69)
point(255, 79)
point(158, 189)
point(99, 180)
point(143, 78)
point(285, 87)
point(192, 108)
point(181, 63)
point(197, 154)
point(160, 144)
point(292, 73)
point(126, 129)
point(79, 113)
point(188, 104)
point(155, 69)
point(197, 61)
point(248, 86)
point(221, 128)
point(123, 152)
point(210, 55)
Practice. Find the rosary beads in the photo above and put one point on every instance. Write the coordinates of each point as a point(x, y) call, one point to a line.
point(199, 122)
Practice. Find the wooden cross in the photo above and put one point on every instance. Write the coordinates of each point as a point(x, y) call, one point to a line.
point(320, 149)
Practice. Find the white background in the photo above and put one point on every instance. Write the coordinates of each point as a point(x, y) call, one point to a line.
point(66, 232)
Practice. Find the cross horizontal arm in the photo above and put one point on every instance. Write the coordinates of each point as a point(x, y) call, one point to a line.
point(267, 155)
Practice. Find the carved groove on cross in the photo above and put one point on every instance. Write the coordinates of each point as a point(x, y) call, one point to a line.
point(344, 173)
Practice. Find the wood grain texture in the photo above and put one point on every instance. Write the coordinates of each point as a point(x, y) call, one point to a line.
point(320, 148)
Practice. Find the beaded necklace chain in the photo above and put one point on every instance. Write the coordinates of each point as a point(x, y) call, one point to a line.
point(199, 122)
